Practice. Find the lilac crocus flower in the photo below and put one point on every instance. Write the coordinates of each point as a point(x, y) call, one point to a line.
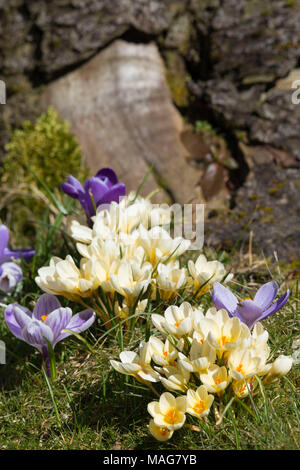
point(102, 189)
point(48, 319)
point(10, 272)
point(249, 311)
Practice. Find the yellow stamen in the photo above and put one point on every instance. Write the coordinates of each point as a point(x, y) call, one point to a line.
point(198, 408)
point(172, 416)
point(224, 340)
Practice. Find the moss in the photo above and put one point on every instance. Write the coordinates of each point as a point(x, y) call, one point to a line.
point(177, 78)
point(267, 219)
point(204, 127)
point(179, 90)
point(48, 147)
point(267, 210)
point(253, 197)
point(290, 3)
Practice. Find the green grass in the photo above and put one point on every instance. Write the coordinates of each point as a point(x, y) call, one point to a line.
point(90, 406)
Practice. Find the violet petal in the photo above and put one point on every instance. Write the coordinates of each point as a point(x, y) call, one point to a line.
point(109, 174)
point(45, 305)
point(275, 306)
point(266, 294)
point(248, 312)
point(57, 321)
point(224, 298)
point(17, 322)
point(4, 237)
point(33, 334)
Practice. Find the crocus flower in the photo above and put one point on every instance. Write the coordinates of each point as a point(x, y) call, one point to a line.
point(10, 272)
point(103, 188)
point(47, 320)
point(249, 311)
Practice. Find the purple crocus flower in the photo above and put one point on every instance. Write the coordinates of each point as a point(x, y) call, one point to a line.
point(48, 319)
point(102, 189)
point(249, 311)
point(10, 272)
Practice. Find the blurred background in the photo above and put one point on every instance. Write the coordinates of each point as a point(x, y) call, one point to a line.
point(199, 90)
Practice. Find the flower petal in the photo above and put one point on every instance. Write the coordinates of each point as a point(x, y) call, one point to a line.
point(109, 174)
point(4, 237)
point(224, 298)
point(248, 312)
point(81, 321)
point(58, 320)
point(33, 334)
point(16, 318)
point(266, 294)
point(113, 194)
point(276, 306)
point(45, 305)
point(166, 401)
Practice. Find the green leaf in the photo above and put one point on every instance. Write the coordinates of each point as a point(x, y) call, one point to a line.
point(57, 203)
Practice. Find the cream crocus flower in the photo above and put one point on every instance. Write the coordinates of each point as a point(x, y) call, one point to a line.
point(98, 273)
point(222, 333)
point(244, 364)
point(159, 246)
point(137, 365)
point(168, 412)
point(199, 402)
point(62, 277)
point(122, 218)
point(215, 379)
point(170, 279)
point(205, 273)
point(131, 280)
point(160, 433)
point(163, 354)
point(176, 377)
point(202, 356)
point(176, 321)
point(280, 367)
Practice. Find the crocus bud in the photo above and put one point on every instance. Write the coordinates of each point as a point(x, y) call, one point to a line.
point(280, 367)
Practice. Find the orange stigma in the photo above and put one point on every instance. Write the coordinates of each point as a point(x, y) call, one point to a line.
point(199, 407)
point(172, 416)
point(43, 317)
